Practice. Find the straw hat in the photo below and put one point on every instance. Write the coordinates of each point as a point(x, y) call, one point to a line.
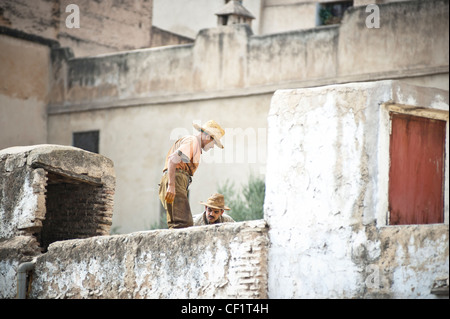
point(216, 201)
point(212, 129)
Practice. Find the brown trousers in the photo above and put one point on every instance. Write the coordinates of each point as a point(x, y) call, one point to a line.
point(179, 212)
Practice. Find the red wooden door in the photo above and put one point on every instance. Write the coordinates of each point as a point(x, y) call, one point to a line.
point(416, 175)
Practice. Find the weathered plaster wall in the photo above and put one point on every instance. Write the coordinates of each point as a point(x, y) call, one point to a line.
point(399, 40)
point(13, 252)
point(49, 193)
point(104, 27)
point(224, 261)
point(230, 57)
point(27, 173)
point(326, 195)
point(24, 85)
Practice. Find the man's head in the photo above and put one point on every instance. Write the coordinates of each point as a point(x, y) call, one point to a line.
point(211, 133)
point(213, 214)
point(214, 207)
point(207, 142)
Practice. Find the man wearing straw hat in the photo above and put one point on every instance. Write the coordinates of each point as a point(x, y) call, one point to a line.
point(213, 214)
point(182, 161)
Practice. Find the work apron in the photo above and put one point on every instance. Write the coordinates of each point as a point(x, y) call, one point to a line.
point(179, 212)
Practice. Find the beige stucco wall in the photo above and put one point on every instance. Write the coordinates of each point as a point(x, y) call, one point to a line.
point(283, 16)
point(24, 84)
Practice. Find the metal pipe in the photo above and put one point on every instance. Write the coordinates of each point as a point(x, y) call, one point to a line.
point(22, 278)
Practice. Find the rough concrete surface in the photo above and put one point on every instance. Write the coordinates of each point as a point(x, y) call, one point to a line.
point(224, 261)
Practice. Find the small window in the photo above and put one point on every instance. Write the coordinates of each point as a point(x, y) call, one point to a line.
point(223, 20)
point(416, 173)
point(87, 141)
point(332, 12)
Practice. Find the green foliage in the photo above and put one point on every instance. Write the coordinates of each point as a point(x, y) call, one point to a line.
point(325, 16)
point(247, 204)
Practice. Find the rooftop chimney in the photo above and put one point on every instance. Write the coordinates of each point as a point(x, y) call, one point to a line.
point(234, 13)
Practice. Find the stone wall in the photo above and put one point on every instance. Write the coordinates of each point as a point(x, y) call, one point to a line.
point(49, 193)
point(54, 193)
point(326, 195)
point(223, 261)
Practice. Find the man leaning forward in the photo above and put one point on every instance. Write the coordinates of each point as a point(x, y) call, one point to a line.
point(182, 161)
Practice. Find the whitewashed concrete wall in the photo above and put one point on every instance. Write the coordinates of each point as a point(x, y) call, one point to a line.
point(223, 261)
point(326, 196)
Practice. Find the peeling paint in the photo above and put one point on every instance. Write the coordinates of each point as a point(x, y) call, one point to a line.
point(326, 229)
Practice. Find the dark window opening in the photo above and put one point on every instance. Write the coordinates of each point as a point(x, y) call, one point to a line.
point(223, 20)
point(87, 141)
point(417, 170)
point(333, 12)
